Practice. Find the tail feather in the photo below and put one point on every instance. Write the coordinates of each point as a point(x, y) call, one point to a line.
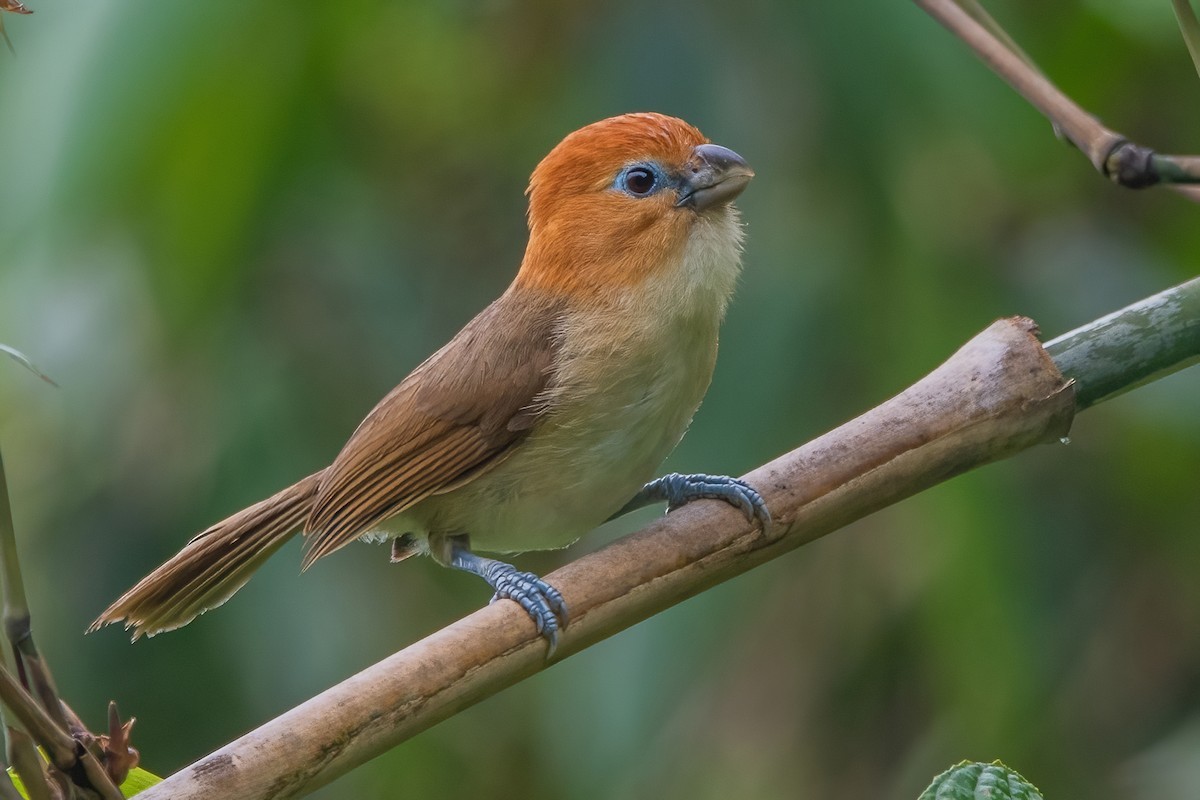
point(213, 565)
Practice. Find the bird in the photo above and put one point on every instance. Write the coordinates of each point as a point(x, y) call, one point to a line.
point(548, 413)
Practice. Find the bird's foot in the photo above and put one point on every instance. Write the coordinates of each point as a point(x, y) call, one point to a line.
point(542, 602)
point(677, 490)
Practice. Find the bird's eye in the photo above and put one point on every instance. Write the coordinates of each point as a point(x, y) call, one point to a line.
point(639, 181)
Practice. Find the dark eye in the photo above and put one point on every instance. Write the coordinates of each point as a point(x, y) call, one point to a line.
point(639, 181)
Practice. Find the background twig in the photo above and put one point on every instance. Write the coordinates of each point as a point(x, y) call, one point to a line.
point(23, 360)
point(1112, 154)
point(1189, 26)
point(34, 713)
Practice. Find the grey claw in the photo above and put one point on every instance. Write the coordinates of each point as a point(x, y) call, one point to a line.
point(541, 601)
point(682, 489)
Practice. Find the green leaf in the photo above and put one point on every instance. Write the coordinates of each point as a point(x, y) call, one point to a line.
point(138, 780)
point(978, 781)
point(24, 361)
point(16, 781)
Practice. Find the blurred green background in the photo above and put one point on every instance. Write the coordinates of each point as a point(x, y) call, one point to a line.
point(227, 230)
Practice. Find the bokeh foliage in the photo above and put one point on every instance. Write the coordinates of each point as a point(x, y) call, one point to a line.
point(227, 230)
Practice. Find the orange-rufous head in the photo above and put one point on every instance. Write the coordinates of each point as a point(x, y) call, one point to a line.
point(622, 200)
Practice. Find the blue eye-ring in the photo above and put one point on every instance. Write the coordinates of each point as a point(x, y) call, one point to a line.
point(639, 180)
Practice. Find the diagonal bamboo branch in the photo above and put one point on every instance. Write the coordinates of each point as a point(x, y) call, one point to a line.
point(1126, 163)
point(998, 395)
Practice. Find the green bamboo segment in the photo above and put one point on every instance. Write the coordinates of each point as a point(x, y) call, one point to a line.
point(12, 584)
point(1138, 344)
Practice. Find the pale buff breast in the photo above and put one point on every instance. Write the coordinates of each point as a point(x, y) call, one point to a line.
point(630, 377)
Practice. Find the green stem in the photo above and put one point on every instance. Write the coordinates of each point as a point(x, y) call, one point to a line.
point(16, 610)
point(59, 746)
point(28, 764)
point(33, 671)
point(1189, 26)
point(17, 355)
point(980, 15)
point(1138, 344)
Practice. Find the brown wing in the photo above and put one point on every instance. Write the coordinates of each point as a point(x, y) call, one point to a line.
point(456, 416)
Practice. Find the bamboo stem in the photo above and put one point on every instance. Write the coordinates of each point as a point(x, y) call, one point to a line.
point(997, 396)
point(1138, 344)
point(1001, 393)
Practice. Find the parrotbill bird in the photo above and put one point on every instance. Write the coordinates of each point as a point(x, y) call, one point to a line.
point(549, 412)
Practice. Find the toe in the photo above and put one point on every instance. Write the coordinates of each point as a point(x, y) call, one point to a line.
point(541, 601)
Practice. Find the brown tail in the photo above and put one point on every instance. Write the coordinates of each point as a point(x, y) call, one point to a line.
point(213, 565)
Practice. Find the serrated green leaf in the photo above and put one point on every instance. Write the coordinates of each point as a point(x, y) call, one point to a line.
point(978, 781)
point(24, 361)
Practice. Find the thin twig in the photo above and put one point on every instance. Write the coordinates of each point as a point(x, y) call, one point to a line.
point(39, 717)
point(1126, 163)
point(1189, 26)
point(978, 13)
point(16, 7)
point(15, 354)
point(34, 672)
point(57, 743)
point(29, 765)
